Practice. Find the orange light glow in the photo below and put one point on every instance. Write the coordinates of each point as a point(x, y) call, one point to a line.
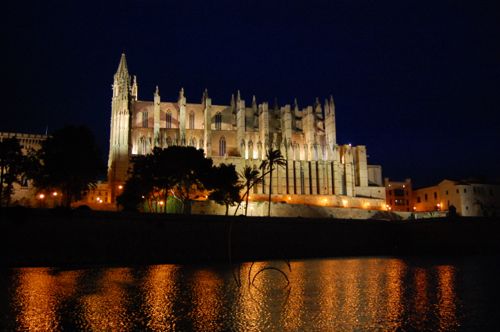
point(41, 196)
point(120, 187)
point(54, 193)
point(160, 202)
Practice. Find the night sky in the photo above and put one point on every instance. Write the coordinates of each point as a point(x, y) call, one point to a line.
point(417, 82)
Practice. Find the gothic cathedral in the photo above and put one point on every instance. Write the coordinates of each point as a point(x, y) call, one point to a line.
point(317, 166)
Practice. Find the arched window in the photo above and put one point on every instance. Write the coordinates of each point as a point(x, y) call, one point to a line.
point(169, 141)
point(192, 141)
point(191, 120)
point(222, 146)
point(144, 119)
point(201, 144)
point(218, 121)
point(250, 150)
point(168, 120)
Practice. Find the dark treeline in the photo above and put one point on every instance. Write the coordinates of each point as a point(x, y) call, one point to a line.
point(68, 162)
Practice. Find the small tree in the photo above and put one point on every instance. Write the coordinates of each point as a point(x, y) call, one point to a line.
point(70, 161)
point(274, 159)
point(12, 167)
point(225, 185)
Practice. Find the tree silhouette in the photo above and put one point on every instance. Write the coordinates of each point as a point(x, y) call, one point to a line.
point(251, 177)
point(139, 185)
point(225, 185)
point(274, 159)
point(190, 172)
point(12, 167)
point(71, 162)
point(178, 171)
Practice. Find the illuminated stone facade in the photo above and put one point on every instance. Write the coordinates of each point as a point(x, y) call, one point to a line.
point(240, 133)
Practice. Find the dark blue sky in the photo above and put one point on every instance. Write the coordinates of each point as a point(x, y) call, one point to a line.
point(417, 82)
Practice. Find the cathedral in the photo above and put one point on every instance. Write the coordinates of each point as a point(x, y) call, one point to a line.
point(318, 169)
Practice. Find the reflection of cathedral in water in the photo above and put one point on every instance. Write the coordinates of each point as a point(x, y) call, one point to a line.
point(240, 133)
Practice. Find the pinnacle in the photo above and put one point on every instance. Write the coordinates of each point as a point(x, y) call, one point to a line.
point(122, 67)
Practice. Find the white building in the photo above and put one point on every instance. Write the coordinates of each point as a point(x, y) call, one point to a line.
point(470, 198)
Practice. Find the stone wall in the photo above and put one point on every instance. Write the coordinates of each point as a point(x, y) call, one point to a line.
point(303, 211)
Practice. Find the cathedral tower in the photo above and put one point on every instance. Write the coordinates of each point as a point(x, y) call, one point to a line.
point(120, 127)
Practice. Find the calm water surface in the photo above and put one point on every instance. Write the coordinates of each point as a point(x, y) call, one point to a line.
point(359, 294)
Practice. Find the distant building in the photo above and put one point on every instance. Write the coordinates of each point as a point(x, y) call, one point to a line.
point(470, 198)
point(24, 193)
point(318, 169)
point(398, 195)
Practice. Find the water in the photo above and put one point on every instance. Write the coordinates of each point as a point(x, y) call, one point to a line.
point(358, 294)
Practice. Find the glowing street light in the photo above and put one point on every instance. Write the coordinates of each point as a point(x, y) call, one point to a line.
point(41, 196)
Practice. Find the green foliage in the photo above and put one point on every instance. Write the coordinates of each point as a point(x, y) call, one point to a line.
point(70, 161)
point(13, 168)
point(225, 185)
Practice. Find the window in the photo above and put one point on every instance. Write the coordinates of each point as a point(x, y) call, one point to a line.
point(457, 191)
point(169, 141)
point(222, 146)
point(435, 195)
point(465, 190)
point(191, 120)
point(192, 142)
point(144, 119)
point(168, 119)
point(399, 192)
point(250, 149)
point(446, 192)
point(218, 121)
point(418, 199)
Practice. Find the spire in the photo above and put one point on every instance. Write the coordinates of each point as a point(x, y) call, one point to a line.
point(205, 96)
point(134, 89)
point(157, 91)
point(295, 104)
point(238, 96)
point(232, 103)
point(332, 102)
point(181, 93)
point(122, 66)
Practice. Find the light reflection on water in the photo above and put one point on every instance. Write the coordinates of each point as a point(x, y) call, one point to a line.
point(376, 294)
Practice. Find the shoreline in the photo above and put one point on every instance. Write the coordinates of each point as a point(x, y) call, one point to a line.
point(38, 237)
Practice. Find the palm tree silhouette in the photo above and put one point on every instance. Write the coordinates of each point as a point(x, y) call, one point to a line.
point(274, 159)
point(251, 176)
